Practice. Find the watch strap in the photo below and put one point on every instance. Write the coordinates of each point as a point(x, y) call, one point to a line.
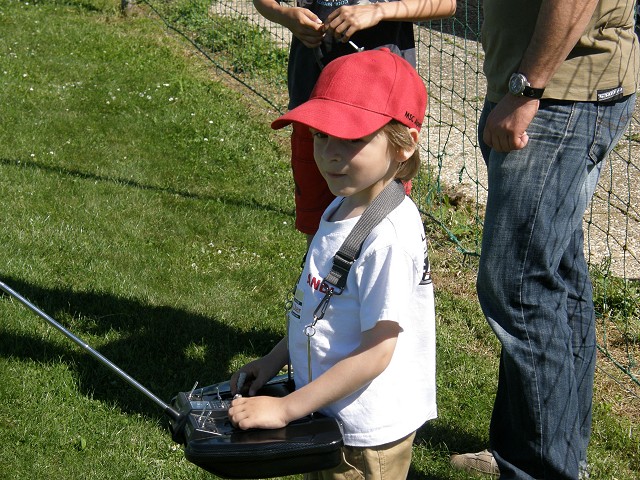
point(531, 92)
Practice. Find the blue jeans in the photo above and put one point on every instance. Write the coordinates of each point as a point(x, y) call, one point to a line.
point(534, 288)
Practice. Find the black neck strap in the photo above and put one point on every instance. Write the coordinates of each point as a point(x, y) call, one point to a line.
point(392, 196)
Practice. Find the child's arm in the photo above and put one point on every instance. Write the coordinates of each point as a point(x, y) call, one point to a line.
point(346, 377)
point(302, 22)
point(262, 370)
point(349, 19)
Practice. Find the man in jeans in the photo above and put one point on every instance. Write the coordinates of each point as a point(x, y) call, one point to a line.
point(561, 78)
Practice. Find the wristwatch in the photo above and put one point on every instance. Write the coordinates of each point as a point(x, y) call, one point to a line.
point(520, 86)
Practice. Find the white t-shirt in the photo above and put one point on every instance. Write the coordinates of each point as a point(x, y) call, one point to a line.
point(388, 281)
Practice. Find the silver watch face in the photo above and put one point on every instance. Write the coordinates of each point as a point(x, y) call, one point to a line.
point(517, 83)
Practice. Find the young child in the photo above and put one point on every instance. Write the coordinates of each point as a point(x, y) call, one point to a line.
point(371, 360)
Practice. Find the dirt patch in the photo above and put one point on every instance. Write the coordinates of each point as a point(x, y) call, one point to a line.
point(451, 65)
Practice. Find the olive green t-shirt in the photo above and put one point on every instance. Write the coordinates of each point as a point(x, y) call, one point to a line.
point(602, 66)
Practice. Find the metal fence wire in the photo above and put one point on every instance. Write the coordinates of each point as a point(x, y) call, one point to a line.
point(253, 51)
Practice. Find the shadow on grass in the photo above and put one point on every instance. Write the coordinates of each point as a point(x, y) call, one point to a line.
point(245, 202)
point(454, 438)
point(442, 439)
point(152, 345)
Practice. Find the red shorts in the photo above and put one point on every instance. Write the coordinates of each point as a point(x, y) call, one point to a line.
point(312, 195)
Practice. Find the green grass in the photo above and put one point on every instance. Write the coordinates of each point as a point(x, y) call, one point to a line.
point(149, 209)
point(249, 50)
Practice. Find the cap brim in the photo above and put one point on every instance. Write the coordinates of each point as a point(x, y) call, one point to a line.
point(335, 119)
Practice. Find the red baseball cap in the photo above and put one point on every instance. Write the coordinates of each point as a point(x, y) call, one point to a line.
point(358, 94)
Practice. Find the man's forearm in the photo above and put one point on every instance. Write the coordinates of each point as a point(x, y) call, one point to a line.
point(559, 26)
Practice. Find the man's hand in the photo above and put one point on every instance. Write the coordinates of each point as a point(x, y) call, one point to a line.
point(506, 127)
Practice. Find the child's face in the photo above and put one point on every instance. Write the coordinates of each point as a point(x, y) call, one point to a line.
point(355, 168)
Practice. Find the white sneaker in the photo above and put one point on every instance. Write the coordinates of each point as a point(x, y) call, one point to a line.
point(480, 462)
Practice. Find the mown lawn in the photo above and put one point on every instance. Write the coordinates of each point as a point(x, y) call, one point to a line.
point(148, 207)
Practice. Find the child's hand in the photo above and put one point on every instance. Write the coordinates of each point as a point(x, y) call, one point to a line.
point(305, 25)
point(258, 412)
point(255, 374)
point(347, 20)
point(254, 377)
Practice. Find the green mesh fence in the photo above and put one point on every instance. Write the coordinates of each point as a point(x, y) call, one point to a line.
point(451, 189)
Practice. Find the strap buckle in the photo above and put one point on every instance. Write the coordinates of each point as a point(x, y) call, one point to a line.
point(337, 277)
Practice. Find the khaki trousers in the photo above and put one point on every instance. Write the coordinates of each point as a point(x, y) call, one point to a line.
point(390, 461)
